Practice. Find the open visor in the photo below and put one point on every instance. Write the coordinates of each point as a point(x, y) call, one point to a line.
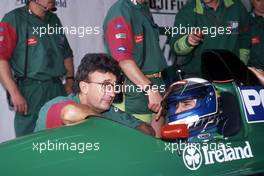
point(190, 97)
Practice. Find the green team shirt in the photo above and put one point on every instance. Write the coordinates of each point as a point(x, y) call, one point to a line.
point(130, 33)
point(46, 53)
point(257, 42)
point(49, 115)
point(226, 28)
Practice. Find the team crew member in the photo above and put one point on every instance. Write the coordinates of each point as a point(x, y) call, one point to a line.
point(38, 63)
point(257, 35)
point(132, 38)
point(223, 24)
point(93, 95)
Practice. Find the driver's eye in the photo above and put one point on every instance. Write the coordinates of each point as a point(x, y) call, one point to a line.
point(187, 105)
point(177, 105)
point(189, 102)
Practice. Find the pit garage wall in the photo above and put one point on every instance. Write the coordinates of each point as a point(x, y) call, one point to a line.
point(76, 14)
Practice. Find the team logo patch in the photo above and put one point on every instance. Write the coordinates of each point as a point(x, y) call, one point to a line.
point(139, 38)
point(194, 157)
point(2, 29)
point(255, 40)
point(2, 38)
point(32, 40)
point(121, 49)
point(120, 36)
point(119, 26)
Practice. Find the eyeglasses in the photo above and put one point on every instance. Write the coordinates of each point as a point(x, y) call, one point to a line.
point(105, 86)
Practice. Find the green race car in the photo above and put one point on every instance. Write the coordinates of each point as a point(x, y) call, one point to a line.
point(103, 147)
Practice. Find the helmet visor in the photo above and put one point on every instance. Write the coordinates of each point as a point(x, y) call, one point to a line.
point(185, 105)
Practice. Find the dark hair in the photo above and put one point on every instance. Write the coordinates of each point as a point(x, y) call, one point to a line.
point(95, 62)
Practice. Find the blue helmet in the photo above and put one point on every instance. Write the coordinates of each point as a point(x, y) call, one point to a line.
point(193, 102)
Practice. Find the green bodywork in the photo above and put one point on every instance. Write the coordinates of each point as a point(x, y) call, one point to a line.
point(119, 150)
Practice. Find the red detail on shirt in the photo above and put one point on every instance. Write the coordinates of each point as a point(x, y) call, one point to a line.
point(8, 40)
point(53, 119)
point(120, 48)
point(32, 40)
point(139, 38)
point(255, 40)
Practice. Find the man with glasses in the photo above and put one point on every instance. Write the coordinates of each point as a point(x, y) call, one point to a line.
point(93, 95)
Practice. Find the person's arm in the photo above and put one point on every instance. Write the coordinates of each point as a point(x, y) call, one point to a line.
point(61, 111)
point(184, 43)
point(120, 43)
point(128, 120)
point(69, 77)
point(68, 60)
point(7, 45)
point(74, 113)
point(187, 43)
point(146, 128)
point(132, 71)
point(19, 102)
